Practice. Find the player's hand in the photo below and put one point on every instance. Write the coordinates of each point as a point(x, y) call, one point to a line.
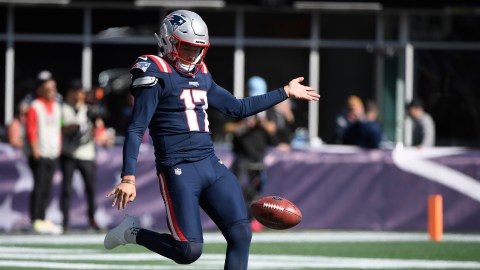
point(295, 89)
point(124, 193)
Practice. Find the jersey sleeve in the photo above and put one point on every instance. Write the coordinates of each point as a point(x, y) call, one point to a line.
point(223, 101)
point(146, 100)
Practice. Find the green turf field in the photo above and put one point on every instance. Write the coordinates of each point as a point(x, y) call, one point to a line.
point(270, 250)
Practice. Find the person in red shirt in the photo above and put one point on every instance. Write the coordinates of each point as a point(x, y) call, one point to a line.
point(43, 130)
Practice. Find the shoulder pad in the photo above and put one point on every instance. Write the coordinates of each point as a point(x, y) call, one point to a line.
point(144, 81)
point(162, 64)
point(149, 65)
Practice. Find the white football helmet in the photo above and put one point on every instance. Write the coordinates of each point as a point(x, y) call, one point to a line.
point(183, 26)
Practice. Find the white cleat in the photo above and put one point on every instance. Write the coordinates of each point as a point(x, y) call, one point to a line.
point(116, 236)
point(46, 227)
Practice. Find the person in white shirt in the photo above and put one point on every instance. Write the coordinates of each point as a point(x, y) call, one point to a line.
point(44, 141)
point(423, 133)
point(78, 151)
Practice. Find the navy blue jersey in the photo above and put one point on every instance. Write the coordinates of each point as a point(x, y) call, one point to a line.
point(174, 110)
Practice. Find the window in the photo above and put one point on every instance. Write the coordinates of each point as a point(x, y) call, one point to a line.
point(465, 28)
point(3, 19)
point(48, 56)
point(340, 77)
point(428, 28)
point(48, 20)
point(444, 80)
point(458, 27)
point(220, 24)
point(390, 27)
point(278, 25)
point(125, 22)
point(347, 26)
point(278, 66)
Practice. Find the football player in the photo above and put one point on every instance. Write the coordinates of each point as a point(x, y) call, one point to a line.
point(172, 92)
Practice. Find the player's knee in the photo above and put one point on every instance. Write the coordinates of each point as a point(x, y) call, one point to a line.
point(191, 252)
point(239, 234)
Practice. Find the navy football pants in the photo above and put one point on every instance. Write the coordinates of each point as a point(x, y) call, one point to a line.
point(209, 184)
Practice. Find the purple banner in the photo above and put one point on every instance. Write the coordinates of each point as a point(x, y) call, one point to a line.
point(335, 187)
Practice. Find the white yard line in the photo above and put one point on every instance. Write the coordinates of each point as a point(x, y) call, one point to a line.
point(214, 237)
point(55, 265)
point(295, 237)
point(34, 250)
point(215, 261)
point(14, 257)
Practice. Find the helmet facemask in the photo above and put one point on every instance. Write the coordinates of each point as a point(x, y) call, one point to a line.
point(189, 63)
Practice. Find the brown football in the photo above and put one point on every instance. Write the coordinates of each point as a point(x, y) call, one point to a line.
point(276, 212)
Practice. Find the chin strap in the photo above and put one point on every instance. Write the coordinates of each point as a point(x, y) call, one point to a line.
point(186, 67)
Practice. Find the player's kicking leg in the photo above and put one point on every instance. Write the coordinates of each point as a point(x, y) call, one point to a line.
point(180, 193)
point(129, 232)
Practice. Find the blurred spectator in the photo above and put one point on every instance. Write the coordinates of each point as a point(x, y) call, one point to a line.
point(3, 133)
point(354, 111)
point(423, 132)
point(365, 132)
point(283, 117)
point(97, 112)
point(251, 138)
point(16, 129)
point(16, 133)
point(41, 76)
point(217, 122)
point(78, 151)
point(371, 110)
point(43, 131)
point(104, 136)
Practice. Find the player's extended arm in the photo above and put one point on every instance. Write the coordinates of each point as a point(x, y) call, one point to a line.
point(222, 100)
point(225, 102)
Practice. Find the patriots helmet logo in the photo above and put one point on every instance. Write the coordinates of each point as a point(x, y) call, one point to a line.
point(176, 21)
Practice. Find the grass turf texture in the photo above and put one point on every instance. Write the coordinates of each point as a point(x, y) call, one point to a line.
point(454, 251)
point(403, 250)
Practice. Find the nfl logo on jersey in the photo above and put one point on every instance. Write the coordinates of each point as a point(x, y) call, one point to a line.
point(178, 171)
